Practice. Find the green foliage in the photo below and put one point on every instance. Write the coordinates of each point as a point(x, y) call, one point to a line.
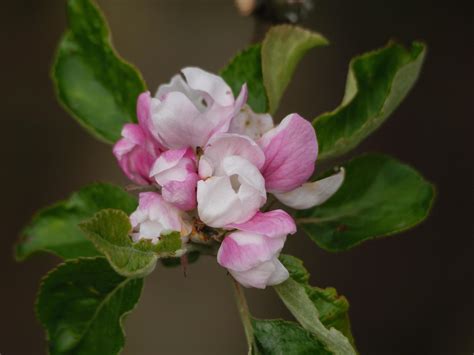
point(295, 297)
point(55, 229)
point(333, 309)
point(380, 196)
point(92, 82)
point(282, 49)
point(279, 337)
point(109, 231)
point(376, 84)
point(82, 303)
point(246, 67)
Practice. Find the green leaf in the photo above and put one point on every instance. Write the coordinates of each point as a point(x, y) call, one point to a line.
point(55, 229)
point(279, 337)
point(333, 309)
point(109, 231)
point(92, 82)
point(82, 304)
point(246, 67)
point(282, 49)
point(295, 297)
point(380, 196)
point(376, 84)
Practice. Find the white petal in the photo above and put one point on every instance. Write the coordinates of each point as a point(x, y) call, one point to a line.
point(312, 193)
point(251, 124)
point(210, 84)
point(224, 145)
point(218, 203)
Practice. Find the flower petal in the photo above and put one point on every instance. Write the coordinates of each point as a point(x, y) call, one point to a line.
point(218, 204)
point(144, 109)
point(290, 151)
point(241, 251)
point(273, 224)
point(269, 273)
point(154, 216)
point(182, 194)
point(224, 145)
point(251, 124)
point(232, 198)
point(312, 193)
point(210, 84)
point(134, 159)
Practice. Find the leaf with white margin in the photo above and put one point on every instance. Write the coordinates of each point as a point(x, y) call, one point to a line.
point(333, 308)
point(109, 231)
point(312, 194)
point(294, 296)
point(82, 304)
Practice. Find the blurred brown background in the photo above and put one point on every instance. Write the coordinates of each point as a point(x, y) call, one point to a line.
point(409, 294)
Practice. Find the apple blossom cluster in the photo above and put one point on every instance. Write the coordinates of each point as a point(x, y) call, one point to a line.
point(214, 162)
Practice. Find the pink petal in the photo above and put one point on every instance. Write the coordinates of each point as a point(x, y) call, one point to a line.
point(269, 273)
point(154, 209)
point(240, 100)
point(312, 193)
point(182, 194)
point(143, 109)
point(177, 123)
point(273, 224)
point(241, 251)
point(134, 159)
point(290, 151)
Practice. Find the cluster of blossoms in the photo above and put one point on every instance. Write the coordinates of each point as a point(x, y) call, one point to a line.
point(213, 161)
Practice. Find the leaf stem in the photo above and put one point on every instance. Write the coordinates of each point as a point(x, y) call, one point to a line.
point(245, 317)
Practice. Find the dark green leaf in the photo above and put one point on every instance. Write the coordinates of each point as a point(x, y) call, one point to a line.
point(333, 309)
point(380, 196)
point(278, 337)
point(82, 304)
point(55, 229)
point(282, 50)
point(92, 82)
point(109, 230)
point(246, 67)
point(377, 83)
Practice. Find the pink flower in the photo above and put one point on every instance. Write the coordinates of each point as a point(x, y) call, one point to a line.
point(193, 107)
point(155, 217)
point(137, 150)
point(232, 189)
point(251, 254)
point(290, 151)
point(175, 172)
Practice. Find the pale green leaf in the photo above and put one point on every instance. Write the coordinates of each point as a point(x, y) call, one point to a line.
point(282, 50)
point(109, 230)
